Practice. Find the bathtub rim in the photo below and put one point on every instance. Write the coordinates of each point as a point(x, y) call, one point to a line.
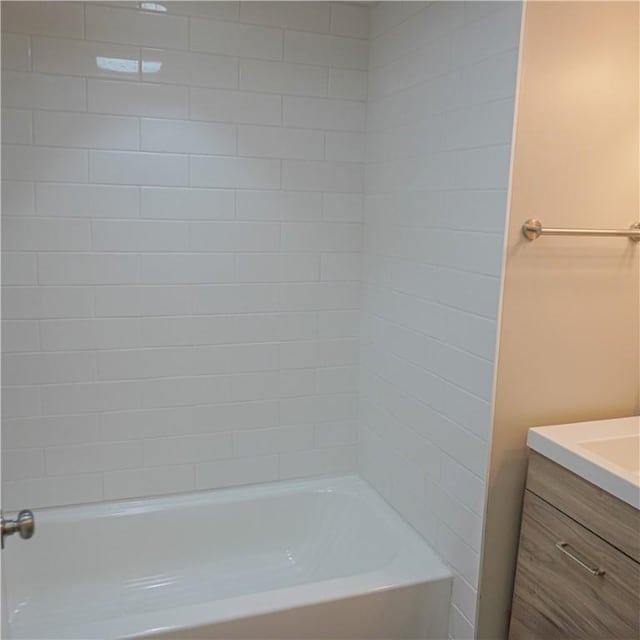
point(296, 597)
point(350, 484)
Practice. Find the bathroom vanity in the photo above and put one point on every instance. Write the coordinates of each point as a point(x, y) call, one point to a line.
point(578, 572)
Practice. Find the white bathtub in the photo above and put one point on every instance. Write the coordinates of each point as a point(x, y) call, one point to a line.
point(320, 558)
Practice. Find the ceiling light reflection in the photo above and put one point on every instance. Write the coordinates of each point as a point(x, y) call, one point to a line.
point(119, 65)
point(151, 66)
point(125, 65)
point(153, 6)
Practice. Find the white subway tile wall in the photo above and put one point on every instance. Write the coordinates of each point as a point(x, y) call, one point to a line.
point(182, 203)
point(440, 113)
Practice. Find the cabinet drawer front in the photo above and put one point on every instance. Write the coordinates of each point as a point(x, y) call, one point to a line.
point(610, 518)
point(560, 591)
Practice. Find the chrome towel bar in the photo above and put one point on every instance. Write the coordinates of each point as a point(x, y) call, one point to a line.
point(533, 229)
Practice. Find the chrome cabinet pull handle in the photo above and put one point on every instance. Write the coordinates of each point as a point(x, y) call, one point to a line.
point(564, 548)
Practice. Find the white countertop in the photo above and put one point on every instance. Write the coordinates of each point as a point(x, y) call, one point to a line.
point(603, 452)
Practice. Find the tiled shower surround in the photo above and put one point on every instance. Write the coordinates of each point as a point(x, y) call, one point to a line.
point(207, 207)
point(440, 116)
point(182, 214)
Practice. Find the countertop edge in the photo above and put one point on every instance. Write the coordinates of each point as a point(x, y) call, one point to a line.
point(599, 476)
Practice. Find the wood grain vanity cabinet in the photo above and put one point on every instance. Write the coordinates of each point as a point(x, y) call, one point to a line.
point(578, 573)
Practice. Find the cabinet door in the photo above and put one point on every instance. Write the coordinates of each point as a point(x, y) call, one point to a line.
point(570, 583)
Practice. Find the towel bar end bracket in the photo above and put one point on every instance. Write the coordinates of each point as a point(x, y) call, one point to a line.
point(532, 229)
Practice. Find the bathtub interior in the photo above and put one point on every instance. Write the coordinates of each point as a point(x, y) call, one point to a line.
point(122, 559)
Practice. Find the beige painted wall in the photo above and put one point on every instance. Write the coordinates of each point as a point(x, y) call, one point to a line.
point(568, 345)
